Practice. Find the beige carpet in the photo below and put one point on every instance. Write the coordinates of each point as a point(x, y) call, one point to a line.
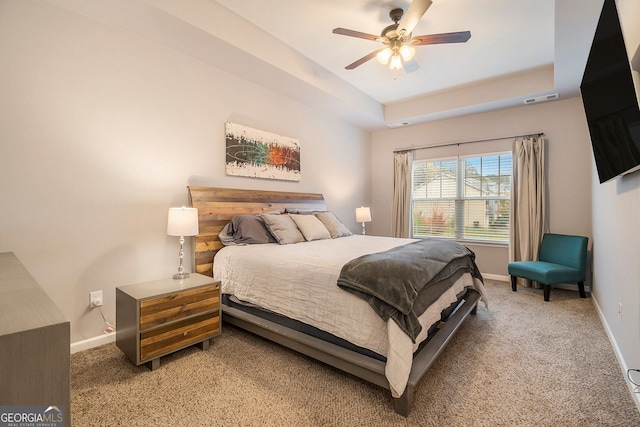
point(521, 362)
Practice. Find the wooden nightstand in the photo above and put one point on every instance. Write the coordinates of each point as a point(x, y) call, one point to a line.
point(156, 318)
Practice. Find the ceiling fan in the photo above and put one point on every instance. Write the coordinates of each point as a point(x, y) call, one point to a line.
point(398, 41)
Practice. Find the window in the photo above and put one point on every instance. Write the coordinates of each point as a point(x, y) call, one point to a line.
point(464, 198)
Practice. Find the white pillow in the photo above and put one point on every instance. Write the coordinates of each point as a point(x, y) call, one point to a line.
point(333, 224)
point(283, 229)
point(311, 227)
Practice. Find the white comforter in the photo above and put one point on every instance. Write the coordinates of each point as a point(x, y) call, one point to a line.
point(299, 281)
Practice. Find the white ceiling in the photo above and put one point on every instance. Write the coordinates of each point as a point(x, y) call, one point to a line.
point(519, 49)
point(507, 36)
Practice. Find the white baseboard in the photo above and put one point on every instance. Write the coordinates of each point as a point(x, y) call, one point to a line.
point(93, 342)
point(496, 277)
point(616, 350)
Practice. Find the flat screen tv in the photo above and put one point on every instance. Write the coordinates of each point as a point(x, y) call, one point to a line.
point(610, 100)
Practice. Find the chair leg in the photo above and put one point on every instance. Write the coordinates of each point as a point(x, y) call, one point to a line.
point(547, 291)
point(514, 283)
point(581, 289)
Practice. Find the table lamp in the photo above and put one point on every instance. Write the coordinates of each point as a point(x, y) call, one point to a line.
point(182, 222)
point(363, 215)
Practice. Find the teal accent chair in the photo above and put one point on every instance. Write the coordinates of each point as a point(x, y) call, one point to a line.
point(562, 259)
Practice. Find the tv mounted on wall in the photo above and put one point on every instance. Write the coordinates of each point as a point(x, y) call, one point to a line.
point(610, 100)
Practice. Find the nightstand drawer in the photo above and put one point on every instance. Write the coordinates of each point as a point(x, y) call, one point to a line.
point(167, 308)
point(168, 338)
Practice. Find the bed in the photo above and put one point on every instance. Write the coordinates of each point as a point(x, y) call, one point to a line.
point(378, 351)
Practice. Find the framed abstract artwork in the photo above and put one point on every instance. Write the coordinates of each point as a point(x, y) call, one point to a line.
point(259, 154)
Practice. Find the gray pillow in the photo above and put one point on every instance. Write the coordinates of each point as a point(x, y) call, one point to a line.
point(246, 230)
point(283, 229)
point(300, 211)
point(225, 235)
point(311, 227)
point(333, 224)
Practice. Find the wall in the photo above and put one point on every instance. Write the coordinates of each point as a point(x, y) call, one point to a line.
point(616, 233)
point(616, 272)
point(567, 148)
point(102, 131)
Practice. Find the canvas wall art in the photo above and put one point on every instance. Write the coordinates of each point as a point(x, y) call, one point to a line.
point(259, 154)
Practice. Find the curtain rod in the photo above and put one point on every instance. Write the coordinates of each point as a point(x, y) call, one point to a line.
point(423, 147)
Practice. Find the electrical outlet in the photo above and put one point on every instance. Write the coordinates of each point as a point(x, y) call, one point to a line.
point(620, 310)
point(95, 299)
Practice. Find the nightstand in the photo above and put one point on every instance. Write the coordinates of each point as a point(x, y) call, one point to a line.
point(159, 317)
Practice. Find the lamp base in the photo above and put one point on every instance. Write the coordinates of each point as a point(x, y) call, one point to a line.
point(180, 276)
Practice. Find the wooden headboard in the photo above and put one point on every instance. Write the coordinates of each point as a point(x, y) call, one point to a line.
point(216, 206)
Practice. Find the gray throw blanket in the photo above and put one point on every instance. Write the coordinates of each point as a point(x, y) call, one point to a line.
point(394, 281)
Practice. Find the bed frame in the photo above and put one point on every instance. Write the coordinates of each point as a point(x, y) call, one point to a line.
point(216, 206)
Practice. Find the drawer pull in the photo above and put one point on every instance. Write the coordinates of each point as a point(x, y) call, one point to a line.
point(184, 334)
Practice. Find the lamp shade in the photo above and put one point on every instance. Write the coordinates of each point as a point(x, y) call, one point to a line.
point(407, 52)
point(384, 55)
point(395, 63)
point(363, 214)
point(182, 222)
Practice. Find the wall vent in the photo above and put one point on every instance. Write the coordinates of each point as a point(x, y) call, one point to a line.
point(541, 98)
point(398, 125)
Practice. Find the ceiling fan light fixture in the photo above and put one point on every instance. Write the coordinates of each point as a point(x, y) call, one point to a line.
point(395, 63)
point(398, 42)
point(407, 52)
point(384, 55)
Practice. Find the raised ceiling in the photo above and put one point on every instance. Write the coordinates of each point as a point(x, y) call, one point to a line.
point(507, 37)
point(518, 50)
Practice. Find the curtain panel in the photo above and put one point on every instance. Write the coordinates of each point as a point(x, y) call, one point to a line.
point(528, 199)
point(401, 193)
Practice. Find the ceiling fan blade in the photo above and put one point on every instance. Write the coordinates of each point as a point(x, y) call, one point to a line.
point(410, 66)
point(412, 16)
point(362, 60)
point(457, 37)
point(353, 33)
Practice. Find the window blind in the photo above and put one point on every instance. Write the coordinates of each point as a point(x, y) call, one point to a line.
point(465, 197)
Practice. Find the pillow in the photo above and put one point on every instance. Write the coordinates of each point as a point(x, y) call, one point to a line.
point(246, 229)
point(225, 235)
point(333, 224)
point(283, 229)
point(311, 227)
point(300, 211)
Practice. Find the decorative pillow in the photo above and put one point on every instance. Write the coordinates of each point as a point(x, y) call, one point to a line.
point(247, 230)
point(333, 224)
point(283, 229)
point(311, 227)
